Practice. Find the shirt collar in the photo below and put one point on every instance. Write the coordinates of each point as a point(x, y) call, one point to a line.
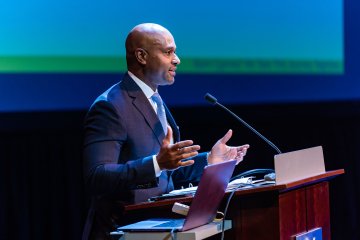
point(145, 88)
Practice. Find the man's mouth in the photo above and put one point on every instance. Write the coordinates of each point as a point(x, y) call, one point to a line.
point(172, 72)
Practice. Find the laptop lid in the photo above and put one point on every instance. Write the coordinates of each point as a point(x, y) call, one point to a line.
point(297, 165)
point(210, 192)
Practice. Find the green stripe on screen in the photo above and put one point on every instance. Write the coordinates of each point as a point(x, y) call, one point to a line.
point(61, 64)
point(261, 66)
point(188, 65)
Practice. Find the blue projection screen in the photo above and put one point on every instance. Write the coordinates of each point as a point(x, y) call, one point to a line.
point(250, 36)
point(59, 55)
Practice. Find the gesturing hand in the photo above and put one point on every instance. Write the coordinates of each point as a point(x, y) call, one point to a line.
point(221, 152)
point(171, 155)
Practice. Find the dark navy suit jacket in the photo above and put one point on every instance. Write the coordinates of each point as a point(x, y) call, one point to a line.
point(122, 133)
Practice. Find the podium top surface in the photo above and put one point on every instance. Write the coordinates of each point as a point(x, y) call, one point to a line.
point(277, 187)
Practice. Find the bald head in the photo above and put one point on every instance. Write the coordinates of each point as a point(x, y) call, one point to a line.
point(145, 36)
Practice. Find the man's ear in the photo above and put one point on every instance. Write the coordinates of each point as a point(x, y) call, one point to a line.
point(141, 55)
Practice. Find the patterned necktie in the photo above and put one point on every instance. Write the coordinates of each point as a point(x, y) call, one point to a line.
point(160, 111)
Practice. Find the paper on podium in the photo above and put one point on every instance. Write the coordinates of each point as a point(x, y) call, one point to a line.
point(233, 184)
point(244, 182)
point(184, 190)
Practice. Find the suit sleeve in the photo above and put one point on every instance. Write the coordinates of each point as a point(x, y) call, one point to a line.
point(105, 135)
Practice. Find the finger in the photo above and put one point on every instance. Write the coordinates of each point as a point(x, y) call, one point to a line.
point(242, 149)
point(182, 144)
point(239, 159)
point(188, 149)
point(233, 153)
point(186, 163)
point(167, 139)
point(226, 137)
point(187, 155)
point(245, 147)
point(241, 154)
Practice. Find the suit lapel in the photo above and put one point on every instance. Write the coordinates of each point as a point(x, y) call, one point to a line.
point(142, 104)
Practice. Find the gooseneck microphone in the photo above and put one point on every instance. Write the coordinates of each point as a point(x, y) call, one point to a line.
point(211, 99)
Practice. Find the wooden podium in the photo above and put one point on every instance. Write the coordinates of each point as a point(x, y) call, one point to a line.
point(266, 213)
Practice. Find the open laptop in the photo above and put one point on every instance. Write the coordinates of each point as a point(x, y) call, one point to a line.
point(300, 164)
point(208, 196)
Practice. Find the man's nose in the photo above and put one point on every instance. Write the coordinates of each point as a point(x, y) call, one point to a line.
point(176, 60)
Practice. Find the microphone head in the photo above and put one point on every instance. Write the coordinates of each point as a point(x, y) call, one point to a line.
point(211, 99)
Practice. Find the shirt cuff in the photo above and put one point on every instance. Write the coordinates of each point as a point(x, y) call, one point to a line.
point(156, 167)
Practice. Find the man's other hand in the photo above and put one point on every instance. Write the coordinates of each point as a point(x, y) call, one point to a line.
point(221, 152)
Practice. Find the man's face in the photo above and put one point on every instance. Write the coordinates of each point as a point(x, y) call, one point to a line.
point(162, 60)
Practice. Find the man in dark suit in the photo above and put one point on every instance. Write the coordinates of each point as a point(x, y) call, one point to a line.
point(132, 147)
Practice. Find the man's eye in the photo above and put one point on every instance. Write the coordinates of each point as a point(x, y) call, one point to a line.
point(170, 52)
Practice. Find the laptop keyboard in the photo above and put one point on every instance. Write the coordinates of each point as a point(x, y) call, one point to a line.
point(172, 223)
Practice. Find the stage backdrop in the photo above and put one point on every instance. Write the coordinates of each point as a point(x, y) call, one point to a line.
point(61, 55)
